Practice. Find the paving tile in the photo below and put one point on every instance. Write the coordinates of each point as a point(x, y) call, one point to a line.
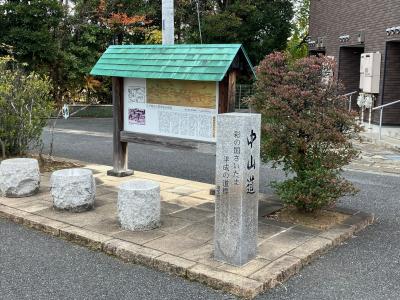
point(311, 249)
point(98, 168)
point(165, 186)
point(171, 224)
point(205, 195)
point(139, 237)
point(111, 180)
point(266, 231)
point(183, 190)
point(46, 196)
point(308, 230)
point(78, 219)
point(169, 208)
point(105, 226)
point(198, 231)
point(45, 182)
point(44, 224)
point(274, 222)
point(103, 190)
point(130, 252)
point(228, 282)
point(114, 188)
point(338, 233)
point(13, 214)
point(282, 243)
point(201, 186)
point(248, 269)
point(155, 177)
point(278, 271)
point(174, 244)
point(193, 214)
point(173, 264)
point(33, 206)
point(203, 254)
point(108, 210)
point(209, 206)
point(90, 239)
point(12, 202)
point(103, 200)
point(167, 196)
point(187, 201)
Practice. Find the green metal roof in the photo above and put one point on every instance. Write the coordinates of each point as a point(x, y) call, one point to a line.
point(183, 62)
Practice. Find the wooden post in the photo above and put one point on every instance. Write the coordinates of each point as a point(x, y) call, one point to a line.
point(232, 91)
point(120, 149)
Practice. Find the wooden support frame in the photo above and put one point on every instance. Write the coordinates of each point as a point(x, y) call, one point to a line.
point(169, 142)
point(120, 148)
point(232, 90)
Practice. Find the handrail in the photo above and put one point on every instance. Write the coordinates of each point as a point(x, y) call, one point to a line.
point(381, 107)
point(350, 95)
point(385, 105)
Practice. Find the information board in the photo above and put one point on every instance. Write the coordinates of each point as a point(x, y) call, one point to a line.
point(174, 108)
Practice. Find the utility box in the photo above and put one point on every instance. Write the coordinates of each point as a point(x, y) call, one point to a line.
point(370, 72)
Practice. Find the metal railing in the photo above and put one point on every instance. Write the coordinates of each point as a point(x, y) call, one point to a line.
point(350, 96)
point(381, 107)
point(243, 91)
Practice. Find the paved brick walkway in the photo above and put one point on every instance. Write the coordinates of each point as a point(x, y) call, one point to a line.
point(184, 243)
point(376, 158)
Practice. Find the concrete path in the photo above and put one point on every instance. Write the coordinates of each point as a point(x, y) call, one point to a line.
point(367, 267)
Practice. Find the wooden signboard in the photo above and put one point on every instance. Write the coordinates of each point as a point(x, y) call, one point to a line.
point(171, 108)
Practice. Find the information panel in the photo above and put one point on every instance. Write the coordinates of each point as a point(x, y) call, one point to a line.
point(174, 108)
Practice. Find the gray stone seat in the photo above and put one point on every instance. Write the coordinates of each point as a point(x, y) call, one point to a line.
point(19, 177)
point(139, 205)
point(73, 189)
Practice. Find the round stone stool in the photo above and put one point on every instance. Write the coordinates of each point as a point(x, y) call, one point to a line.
point(73, 189)
point(139, 205)
point(19, 177)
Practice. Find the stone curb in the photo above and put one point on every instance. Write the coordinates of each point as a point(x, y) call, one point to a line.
point(268, 277)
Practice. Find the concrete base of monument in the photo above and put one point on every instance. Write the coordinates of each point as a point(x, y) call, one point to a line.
point(124, 173)
point(183, 245)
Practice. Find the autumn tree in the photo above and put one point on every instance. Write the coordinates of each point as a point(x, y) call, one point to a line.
point(307, 128)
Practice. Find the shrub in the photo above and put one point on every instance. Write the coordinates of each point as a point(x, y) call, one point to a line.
point(25, 105)
point(306, 128)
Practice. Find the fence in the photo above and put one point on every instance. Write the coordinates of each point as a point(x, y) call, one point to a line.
point(243, 91)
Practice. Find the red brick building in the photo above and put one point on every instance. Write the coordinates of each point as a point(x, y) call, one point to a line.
point(345, 29)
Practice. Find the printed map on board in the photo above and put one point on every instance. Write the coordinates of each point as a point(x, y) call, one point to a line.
point(199, 94)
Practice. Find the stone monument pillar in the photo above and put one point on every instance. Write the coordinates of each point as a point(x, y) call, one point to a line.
point(237, 187)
